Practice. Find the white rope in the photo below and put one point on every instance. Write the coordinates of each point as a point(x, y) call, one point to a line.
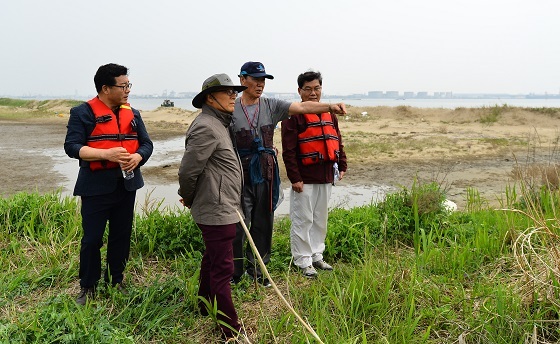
point(265, 271)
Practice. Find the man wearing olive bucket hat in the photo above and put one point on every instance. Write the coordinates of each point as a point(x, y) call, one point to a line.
point(210, 184)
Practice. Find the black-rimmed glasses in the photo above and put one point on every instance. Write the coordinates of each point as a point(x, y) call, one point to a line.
point(309, 89)
point(230, 92)
point(124, 87)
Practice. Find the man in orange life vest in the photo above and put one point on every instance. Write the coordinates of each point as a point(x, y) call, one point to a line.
point(254, 120)
point(109, 139)
point(314, 158)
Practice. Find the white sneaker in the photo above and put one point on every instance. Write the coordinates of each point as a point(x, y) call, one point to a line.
point(309, 271)
point(320, 264)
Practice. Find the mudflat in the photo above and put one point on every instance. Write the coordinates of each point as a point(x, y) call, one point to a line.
point(483, 149)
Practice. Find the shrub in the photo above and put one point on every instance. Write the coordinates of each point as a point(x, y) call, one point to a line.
point(352, 232)
point(493, 115)
point(399, 210)
point(167, 234)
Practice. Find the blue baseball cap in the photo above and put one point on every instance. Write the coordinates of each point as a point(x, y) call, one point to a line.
point(254, 69)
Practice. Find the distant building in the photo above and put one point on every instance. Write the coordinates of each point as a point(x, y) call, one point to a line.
point(356, 95)
point(375, 94)
point(441, 95)
point(284, 95)
point(408, 95)
point(392, 94)
point(422, 94)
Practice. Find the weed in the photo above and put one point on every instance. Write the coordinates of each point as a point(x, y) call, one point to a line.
point(493, 114)
point(550, 111)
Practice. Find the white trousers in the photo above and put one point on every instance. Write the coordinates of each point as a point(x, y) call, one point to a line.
point(309, 214)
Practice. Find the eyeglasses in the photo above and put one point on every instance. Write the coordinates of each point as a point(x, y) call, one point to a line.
point(230, 92)
point(309, 89)
point(123, 87)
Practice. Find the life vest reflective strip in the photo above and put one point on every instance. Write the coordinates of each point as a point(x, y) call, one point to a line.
point(319, 142)
point(111, 131)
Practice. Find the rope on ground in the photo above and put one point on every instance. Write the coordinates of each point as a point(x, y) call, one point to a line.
point(265, 271)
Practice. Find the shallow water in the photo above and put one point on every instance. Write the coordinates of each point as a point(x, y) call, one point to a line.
point(168, 151)
point(344, 196)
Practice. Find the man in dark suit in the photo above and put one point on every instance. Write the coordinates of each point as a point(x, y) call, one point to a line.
point(109, 139)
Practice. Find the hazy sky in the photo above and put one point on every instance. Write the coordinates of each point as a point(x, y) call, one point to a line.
point(493, 46)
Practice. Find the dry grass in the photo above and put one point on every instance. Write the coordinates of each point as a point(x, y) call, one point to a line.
point(536, 248)
point(35, 109)
point(533, 176)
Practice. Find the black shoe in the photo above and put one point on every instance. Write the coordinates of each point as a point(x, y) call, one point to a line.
point(264, 281)
point(120, 287)
point(260, 280)
point(235, 280)
point(240, 338)
point(85, 295)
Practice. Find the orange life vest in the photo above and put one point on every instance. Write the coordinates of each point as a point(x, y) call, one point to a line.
point(319, 142)
point(111, 131)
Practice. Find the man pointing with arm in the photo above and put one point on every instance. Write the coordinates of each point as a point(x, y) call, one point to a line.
point(254, 120)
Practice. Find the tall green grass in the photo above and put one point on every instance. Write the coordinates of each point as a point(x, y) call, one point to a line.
point(406, 271)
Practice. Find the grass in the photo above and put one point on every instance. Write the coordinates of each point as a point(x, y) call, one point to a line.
point(550, 111)
point(493, 114)
point(28, 109)
point(38, 104)
point(406, 271)
point(362, 147)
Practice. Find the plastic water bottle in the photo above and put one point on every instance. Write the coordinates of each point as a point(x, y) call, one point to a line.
point(128, 174)
point(336, 173)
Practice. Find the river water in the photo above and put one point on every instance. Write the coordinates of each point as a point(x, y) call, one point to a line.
point(170, 151)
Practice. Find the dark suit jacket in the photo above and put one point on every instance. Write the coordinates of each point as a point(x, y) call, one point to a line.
point(93, 183)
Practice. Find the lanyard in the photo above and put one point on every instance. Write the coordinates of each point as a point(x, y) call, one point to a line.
point(254, 120)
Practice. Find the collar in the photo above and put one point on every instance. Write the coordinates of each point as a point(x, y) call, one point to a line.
point(223, 117)
point(249, 100)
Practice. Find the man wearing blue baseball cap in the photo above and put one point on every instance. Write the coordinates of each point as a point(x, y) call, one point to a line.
point(254, 120)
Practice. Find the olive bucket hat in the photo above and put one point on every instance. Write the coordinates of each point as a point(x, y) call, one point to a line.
point(214, 83)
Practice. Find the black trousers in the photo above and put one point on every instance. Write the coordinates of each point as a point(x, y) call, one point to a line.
point(260, 219)
point(117, 208)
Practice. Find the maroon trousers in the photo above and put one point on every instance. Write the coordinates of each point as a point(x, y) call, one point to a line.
point(216, 271)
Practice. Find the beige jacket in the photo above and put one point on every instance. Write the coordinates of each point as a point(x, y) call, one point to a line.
point(210, 175)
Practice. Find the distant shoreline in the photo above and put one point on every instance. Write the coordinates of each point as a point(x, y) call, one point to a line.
point(293, 95)
point(150, 104)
